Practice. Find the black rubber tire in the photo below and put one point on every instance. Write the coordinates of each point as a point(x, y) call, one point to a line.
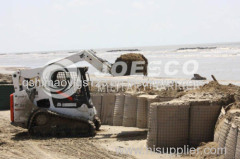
point(97, 123)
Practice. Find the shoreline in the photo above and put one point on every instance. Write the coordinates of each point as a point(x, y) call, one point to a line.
point(7, 70)
point(10, 69)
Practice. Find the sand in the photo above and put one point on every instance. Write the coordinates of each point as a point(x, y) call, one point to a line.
point(6, 74)
point(10, 70)
point(16, 143)
point(210, 145)
point(5, 78)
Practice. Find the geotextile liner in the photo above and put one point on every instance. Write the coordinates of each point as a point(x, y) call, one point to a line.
point(128, 59)
point(97, 102)
point(168, 124)
point(130, 111)
point(118, 110)
point(203, 117)
point(108, 102)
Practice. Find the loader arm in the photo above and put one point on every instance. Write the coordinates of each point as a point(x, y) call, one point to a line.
point(86, 55)
point(90, 57)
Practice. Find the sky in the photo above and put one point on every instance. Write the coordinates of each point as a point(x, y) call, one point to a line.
point(46, 25)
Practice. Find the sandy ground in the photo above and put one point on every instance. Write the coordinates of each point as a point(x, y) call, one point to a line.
point(15, 143)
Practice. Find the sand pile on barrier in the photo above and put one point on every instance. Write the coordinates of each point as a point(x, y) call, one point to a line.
point(5, 79)
point(128, 59)
point(216, 88)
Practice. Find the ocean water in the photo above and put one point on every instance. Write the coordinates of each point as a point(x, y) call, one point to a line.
point(221, 60)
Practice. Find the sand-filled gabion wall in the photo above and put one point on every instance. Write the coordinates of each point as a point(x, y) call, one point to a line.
point(150, 100)
point(237, 153)
point(136, 111)
point(203, 117)
point(231, 142)
point(143, 104)
point(108, 102)
point(141, 112)
point(168, 124)
point(228, 137)
point(130, 111)
point(136, 108)
point(97, 102)
point(223, 134)
point(118, 110)
point(179, 122)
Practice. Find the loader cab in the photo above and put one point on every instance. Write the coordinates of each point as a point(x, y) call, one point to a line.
point(72, 90)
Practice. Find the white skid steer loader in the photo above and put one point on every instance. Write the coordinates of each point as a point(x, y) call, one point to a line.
point(55, 99)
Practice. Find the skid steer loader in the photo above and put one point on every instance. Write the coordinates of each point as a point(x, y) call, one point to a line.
point(45, 108)
point(55, 99)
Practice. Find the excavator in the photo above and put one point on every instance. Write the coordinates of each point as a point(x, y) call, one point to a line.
point(62, 106)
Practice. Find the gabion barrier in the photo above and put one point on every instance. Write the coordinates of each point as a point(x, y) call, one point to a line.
point(118, 110)
point(223, 134)
point(97, 102)
point(130, 111)
point(141, 112)
point(168, 124)
point(231, 142)
point(203, 117)
point(108, 102)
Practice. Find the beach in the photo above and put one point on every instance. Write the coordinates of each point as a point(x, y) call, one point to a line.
point(176, 88)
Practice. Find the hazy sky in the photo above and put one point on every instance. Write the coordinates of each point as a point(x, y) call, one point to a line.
point(31, 25)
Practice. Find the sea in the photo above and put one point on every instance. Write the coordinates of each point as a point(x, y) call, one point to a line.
point(220, 60)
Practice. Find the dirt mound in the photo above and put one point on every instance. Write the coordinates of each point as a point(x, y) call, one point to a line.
point(218, 88)
point(202, 154)
point(128, 59)
point(5, 79)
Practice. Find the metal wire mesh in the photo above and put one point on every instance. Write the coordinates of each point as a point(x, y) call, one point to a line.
point(203, 117)
point(168, 124)
point(223, 134)
point(237, 154)
point(130, 111)
point(108, 102)
point(97, 102)
point(142, 112)
point(118, 110)
point(231, 142)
